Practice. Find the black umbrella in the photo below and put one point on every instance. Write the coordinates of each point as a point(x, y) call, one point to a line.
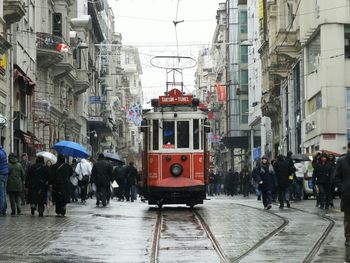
point(300, 157)
point(113, 157)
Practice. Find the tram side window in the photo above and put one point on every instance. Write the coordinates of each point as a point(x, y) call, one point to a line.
point(168, 134)
point(195, 134)
point(155, 135)
point(183, 136)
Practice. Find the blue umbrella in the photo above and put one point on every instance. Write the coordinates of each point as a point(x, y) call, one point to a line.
point(71, 149)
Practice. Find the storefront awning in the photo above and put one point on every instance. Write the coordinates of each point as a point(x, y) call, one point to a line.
point(24, 82)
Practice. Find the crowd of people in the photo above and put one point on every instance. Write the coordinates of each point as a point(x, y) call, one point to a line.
point(43, 184)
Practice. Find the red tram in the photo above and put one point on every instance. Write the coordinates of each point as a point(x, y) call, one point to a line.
point(175, 155)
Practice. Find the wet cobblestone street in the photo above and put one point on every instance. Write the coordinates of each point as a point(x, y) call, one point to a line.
point(124, 232)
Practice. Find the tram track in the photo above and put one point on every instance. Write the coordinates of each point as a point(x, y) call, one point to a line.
point(162, 226)
point(313, 252)
point(316, 247)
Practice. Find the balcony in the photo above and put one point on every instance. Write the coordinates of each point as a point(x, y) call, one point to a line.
point(270, 106)
point(82, 82)
point(47, 54)
point(13, 11)
point(64, 67)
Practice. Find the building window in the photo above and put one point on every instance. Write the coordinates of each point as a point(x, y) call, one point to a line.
point(244, 80)
point(290, 15)
point(315, 103)
point(348, 112)
point(244, 54)
point(347, 41)
point(243, 20)
point(244, 111)
point(314, 54)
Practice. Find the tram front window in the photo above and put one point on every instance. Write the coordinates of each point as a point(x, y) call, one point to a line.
point(195, 134)
point(155, 134)
point(168, 134)
point(183, 136)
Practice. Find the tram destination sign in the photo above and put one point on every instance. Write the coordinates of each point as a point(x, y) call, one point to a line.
point(175, 97)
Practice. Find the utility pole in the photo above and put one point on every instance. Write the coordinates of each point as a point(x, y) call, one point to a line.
point(11, 90)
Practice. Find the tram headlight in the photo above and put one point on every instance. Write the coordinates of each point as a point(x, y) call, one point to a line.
point(176, 169)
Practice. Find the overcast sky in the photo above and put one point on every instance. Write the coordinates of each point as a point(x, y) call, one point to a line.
point(148, 24)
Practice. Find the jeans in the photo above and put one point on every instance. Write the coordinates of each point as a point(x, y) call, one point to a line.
point(298, 188)
point(347, 224)
point(266, 197)
point(325, 194)
point(133, 193)
point(283, 195)
point(3, 202)
point(15, 201)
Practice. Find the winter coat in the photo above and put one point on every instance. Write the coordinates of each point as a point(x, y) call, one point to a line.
point(342, 180)
point(16, 176)
point(4, 169)
point(282, 171)
point(102, 173)
point(120, 174)
point(60, 182)
point(37, 183)
point(131, 175)
point(267, 176)
point(323, 173)
point(83, 169)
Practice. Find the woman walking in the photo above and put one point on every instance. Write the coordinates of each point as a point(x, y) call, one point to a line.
point(37, 184)
point(83, 170)
point(267, 182)
point(15, 183)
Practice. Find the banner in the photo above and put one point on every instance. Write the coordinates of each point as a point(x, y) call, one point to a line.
point(134, 114)
point(220, 92)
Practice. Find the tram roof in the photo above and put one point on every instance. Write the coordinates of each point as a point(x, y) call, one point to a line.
point(180, 114)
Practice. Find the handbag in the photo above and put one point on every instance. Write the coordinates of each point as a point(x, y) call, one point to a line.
point(85, 178)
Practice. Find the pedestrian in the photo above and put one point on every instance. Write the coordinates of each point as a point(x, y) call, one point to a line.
point(256, 179)
point(26, 165)
point(246, 179)
point(300, 172)
point(342, 180)
point(322, 178)
point(290, 161)
point(131, 182)
point(37, 184)
point(211, 185)
point(315, 188)
point(332, 162)
point(119, 175)
point(83, 170)
point(102, 176)
point(267, 182)
point(282, 171)
point(4, 170)
point(15, 183)
point(217, 183)
point(74, 183)
point(60, 183)
point(49, 176)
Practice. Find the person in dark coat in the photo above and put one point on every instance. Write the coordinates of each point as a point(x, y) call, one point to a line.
point(211, 185)
point(37, 184)
point(256, 179)
point(342, 180)
point(26, 164)
point(120, 175)
point(131, 182)
point(322, 178)
point(4, 170)
point(61, 187)
point(282, 171)
point(15, 183)
point(102, 176)
point(246, 179)
point(267, 181)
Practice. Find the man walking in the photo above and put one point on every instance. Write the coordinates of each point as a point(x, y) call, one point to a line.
point(282, 170)
point(102, 176)
point(4, 170)
point(342, 179)
point(131, 182)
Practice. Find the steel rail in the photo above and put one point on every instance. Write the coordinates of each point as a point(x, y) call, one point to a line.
point(156, 237)
point(212, 238)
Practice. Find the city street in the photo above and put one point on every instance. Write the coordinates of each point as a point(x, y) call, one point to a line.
point(125, 232)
